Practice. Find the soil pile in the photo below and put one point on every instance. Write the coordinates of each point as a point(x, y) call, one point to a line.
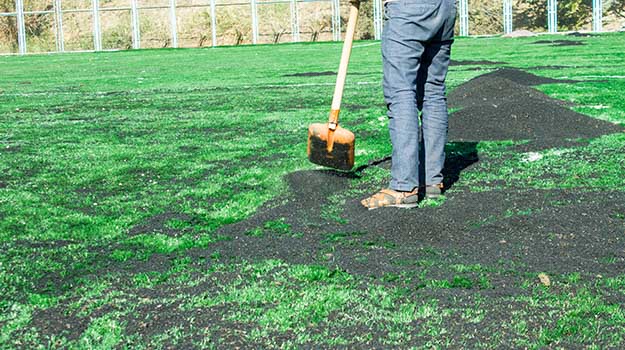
point(502, 105)
point(514, 75)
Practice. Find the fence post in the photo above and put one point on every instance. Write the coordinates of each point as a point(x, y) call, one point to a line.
point(336, 20)
point(173, 23)
point(333, 3)
point(294, 21)
point(552, 13)
point(464, 17)
point(597, 15)
point(97, 29)
point(507, 16)
point(21, 27)
point(58, 26)
point(213, 23)
point(377, 19)
point(136, 29)
point(254, 22)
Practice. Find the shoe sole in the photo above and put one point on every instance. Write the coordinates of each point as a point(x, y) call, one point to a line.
point(403, 206)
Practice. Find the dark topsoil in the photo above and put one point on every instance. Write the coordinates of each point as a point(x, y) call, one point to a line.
point(497, 106)
point(502, 105)
point(560, 42)
point(475, 63)
point(565, 231)
point(581, 35)
point(453, 63)
point(311, 74)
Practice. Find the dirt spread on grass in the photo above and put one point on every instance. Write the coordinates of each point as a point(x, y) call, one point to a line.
point(581, 35)
point(311, 74)
point(557, 231)
point(560, 42)
point(159, 223)
point(483, 227)
point(499, 235)
point(475, 63)
point(502, 105)
point(11, 149)
point(552, 67)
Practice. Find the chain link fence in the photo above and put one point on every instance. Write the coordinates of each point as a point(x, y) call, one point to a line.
point(35, 26)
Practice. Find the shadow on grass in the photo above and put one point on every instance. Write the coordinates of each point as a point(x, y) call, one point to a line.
point(458, 156)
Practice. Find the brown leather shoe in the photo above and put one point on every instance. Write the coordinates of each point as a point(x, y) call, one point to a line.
point(434, 191)
point(391, 198)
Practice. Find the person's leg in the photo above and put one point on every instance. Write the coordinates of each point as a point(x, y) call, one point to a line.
point(401, 56)
point(435, 117)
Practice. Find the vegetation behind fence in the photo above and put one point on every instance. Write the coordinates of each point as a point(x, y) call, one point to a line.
point(234, 22)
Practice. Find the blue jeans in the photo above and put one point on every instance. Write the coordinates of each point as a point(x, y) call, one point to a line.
point(415, 63)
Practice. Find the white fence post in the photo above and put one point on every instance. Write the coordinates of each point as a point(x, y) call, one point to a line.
point(213, 23)
point(552, 13)
point(336, 20)
point(21, 27)
point(136, 29)
point(294, 21)
point(58, 26)
point(507, 16)
point(333, 3)
point(597, 15)
point(173, 23)
point(377, 19)
point(464, 17)
point(254, 22)
point(97, 29)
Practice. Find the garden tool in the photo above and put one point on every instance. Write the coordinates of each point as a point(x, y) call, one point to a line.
point(329, 144)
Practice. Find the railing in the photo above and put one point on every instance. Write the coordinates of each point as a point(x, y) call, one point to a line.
point(96, 11)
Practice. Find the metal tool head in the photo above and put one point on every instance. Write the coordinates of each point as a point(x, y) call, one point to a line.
point(331, 148)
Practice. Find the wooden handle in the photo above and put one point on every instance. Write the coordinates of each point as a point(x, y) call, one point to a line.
point(340, 79)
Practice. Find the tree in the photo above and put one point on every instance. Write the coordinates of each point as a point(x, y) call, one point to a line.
point(365, 29)
point(485, 16)
point(617, 7)
point(39, 24)
point(318, 22)
point(572, 14)
point(235, 22)
point(8, 28)
point(35, 25)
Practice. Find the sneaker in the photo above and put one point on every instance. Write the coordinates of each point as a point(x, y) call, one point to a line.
point(433, 191)
point(391, 198)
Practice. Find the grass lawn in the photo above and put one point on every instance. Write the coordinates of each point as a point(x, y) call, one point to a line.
point(133, 186)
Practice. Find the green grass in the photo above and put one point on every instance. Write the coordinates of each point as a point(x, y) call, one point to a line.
point(597, 166)
point(114, 167)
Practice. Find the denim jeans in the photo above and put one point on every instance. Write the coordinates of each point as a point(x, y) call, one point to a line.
point(416, 47)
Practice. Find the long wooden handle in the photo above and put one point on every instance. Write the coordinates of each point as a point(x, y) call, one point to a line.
point(340, 79)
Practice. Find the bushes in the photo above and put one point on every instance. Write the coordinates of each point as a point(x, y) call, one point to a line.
point(234, 24)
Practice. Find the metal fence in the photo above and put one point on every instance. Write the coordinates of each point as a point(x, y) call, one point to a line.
point(137, 11)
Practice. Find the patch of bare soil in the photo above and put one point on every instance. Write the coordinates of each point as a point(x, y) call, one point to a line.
point(560, 42)
point(502, 105)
